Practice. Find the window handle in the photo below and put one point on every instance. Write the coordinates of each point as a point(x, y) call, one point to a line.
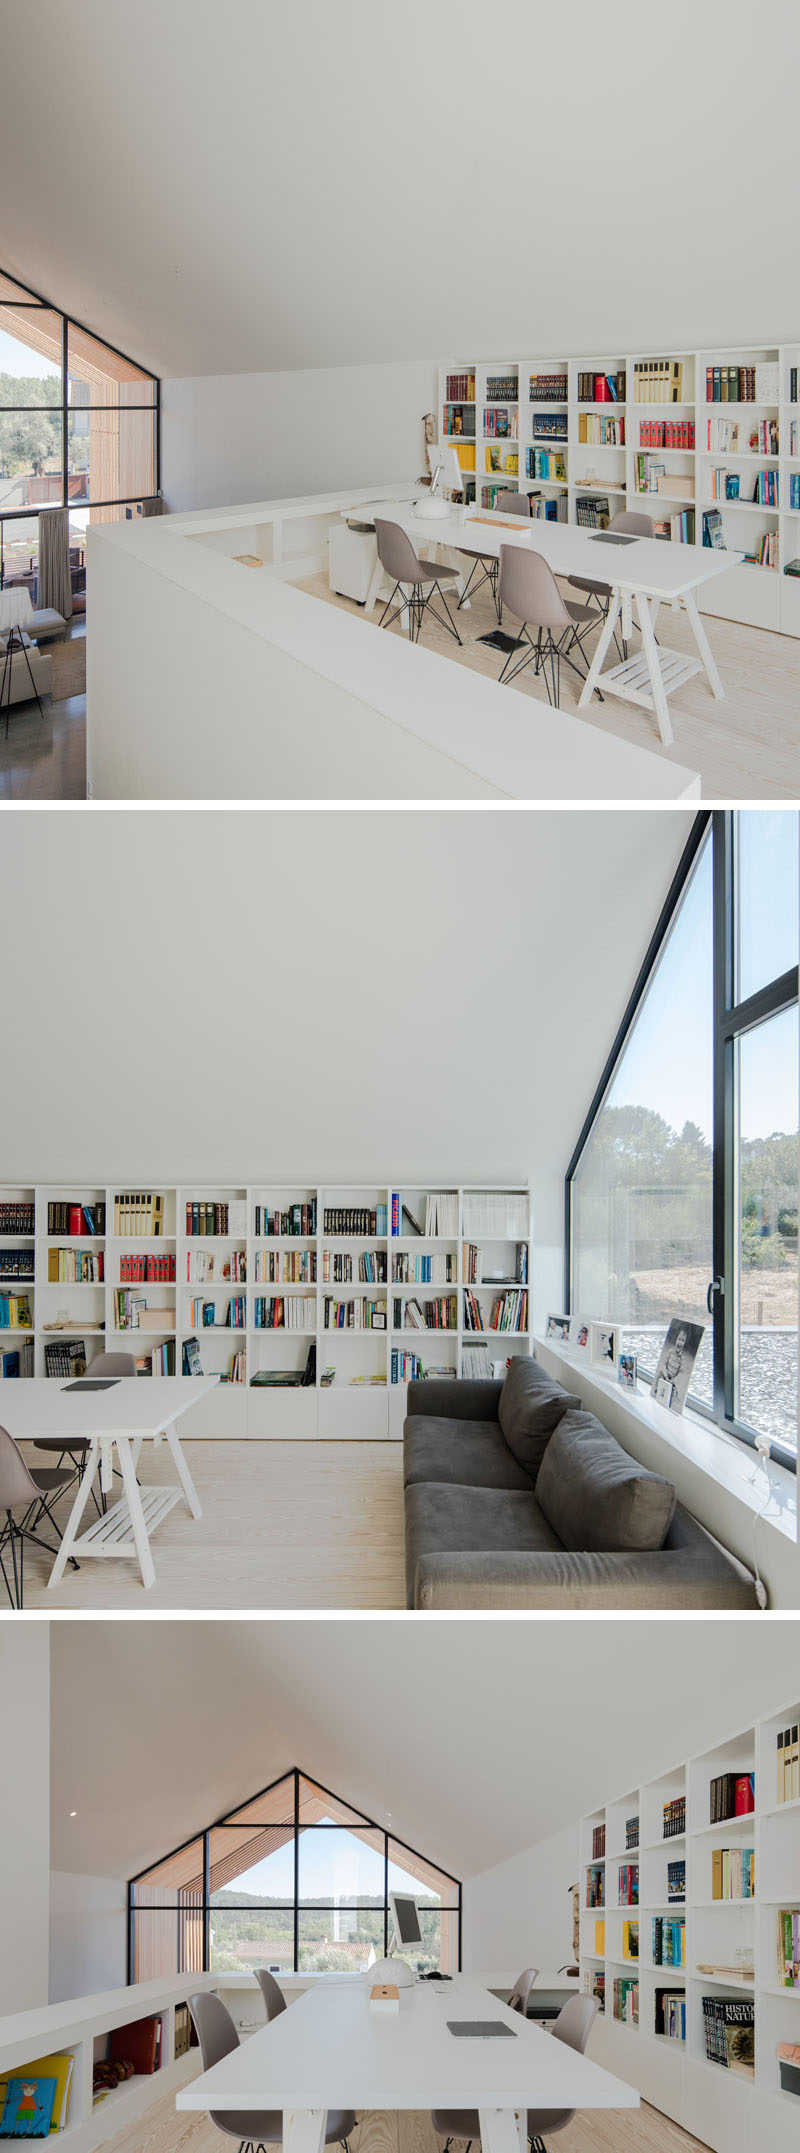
point(717, 1286)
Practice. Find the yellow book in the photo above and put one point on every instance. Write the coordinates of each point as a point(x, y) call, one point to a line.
point(57, 2067)
point(466, 455)
point(600, 1939)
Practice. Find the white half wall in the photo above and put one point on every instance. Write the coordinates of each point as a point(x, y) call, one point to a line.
point(87, 1935)
point(24, 1815)
point(255, 437)
point(520, 1913)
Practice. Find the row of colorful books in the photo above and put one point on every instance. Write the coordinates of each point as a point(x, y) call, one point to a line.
point(359, 1314)
point(210, 1219)
point(630, 1939)
point(17, 1218)
point(729, 2027)
point(15, 1312)
point(549, 426)
point(597, 388)
point(631, 1834)
point(742, 384)
point(17, 1263)
point(733, 1872)
point(766, 552)
point(678, 528)
point(547, 388)
point(598, 1842)
point(628, 1883)
point(440, 1314)
point(595, 428)
point(460, 388)
point(457, 423)
point(794, 489)
point(674, 1817)
point(408, 1270)
point(290, 1266)
point(17, 1361)
point(788, 1749)
point(138, 1214)
point(64, 1357)
point(290, 1312)
point(668, 433)
point(625, 1999)
point(341, 1221)
point(502, 388)
point(204, 1314)
point(731, 1794)
point(669, 2014)
point(658, 381)
point(203, 1265)
point(545, 464)
point(500, 423)
point(595, 1885)
point(668, 1940)
point(131, 1313)
point(548, 508)
point(73, 1218)
point(676, 1880)
point(495, 461)
point(789, 1947)
point(34, 2103)
point(300, 1220)
point(138, 1270)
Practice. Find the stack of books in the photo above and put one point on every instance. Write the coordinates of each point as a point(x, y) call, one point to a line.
point(668, 1939)
point(789, 1947)
point(19, 1218)
point(729, 2027)
point(658, 381)
point(733, 1872)
point(675, 1817)
point(788, 1746)
point(732, 1794)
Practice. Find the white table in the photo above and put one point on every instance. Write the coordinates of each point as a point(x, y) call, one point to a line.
point(135, 1410)
point(645, 573)
point(331, 2051)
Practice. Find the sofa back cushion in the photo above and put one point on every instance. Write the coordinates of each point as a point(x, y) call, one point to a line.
point(531, 1406)
point(595, 1496)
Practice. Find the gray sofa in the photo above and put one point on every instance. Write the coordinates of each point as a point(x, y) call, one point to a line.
point(516, 1496)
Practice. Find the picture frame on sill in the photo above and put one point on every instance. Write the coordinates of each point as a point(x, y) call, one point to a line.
point(627, 1371)
point(557, 1328)
point(604, 1345)
point(580, 1334)
point(676, 1363)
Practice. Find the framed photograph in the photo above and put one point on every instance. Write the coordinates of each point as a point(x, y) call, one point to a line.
point(558, 1329)
point(604, 1344)
point(579, 1334)
point(678, 1355)
point(626, 1371)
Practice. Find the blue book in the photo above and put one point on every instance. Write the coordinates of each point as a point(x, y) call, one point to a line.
point(28, 2107)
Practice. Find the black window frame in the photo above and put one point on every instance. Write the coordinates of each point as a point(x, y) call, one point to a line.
point(731, 1020)
point(232, 1819)
point(63, 408)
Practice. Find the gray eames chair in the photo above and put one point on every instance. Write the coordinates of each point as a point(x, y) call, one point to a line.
point(573, 2025)
point(518, 2000)
point(419, 578)
point(529, 589)
point(32, 1493)
point(486, 566)
point(274, 1999)
point(253, 2128)
point(637, 525)
point(104, 1364)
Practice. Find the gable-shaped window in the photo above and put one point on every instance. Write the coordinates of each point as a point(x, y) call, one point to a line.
point(296, 1880)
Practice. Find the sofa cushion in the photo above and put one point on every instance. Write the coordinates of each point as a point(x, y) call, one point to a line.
point(472, 1452)
point(531, 1406)
point(597, 1497)
point(46, 621)
point(458, 1519)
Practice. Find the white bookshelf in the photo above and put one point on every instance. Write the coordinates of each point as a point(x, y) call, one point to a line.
point(81, 2028)
point(308, 1272)
point(758, 595)
point(733, 2113)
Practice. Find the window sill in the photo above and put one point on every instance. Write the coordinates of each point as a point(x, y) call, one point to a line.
point(724, 1461)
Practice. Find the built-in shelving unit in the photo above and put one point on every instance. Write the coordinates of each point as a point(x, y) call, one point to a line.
point(267, 1280)
point(627, 435)
point(81, 2029)
point(730, 2110)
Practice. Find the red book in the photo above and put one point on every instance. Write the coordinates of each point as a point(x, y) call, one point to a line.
point(745, 1797)
point(602, 392)
point(136, 2044)
point(77, 1222)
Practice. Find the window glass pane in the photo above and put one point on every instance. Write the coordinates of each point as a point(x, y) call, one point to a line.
point(260, 1933)
point(439, 1947)
point(30, 459)
point(30, 356)
point(251, 1862)
point(97, 375)
point(19, 551)
point(411, 1872)
point(167, 1941)
point(111, 454)
point(768, 1275)
point(340, 1938)
point(642, 1193)
point(336, 1863)
point(767, 891)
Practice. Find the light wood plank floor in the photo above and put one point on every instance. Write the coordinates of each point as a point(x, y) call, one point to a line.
point(644, 2130)
point(284, 1525)
point(746, 747)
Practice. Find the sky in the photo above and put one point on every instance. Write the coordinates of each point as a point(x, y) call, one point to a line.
point(668, 1062)
point(329, 1862)
point(15, 358)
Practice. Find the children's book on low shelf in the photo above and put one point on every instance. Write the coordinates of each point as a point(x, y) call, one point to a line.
point(28, 2108)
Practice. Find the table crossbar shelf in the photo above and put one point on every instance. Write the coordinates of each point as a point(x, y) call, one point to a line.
point(113, 1534)
point(632, 680)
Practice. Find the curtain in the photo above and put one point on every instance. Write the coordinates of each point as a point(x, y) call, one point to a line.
point(54, 586)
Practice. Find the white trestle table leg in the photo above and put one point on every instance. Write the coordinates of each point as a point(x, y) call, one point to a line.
point(70, 1534)
point(650, 648)
point(500, 2132)
point(304, 2130)
point(192, 1498)
point(135, 1510)
point(703, 645)
point(592, 680)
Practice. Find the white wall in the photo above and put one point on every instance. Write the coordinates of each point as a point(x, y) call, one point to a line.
point(259, 437)
point(24, 1815)
point(87, 1935)
point(337, 996)
point(520, 1913)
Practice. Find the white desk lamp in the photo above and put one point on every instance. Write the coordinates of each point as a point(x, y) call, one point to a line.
point(445, 469)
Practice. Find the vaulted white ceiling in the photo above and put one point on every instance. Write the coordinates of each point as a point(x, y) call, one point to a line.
point(472, 1738)
point(221, 189)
